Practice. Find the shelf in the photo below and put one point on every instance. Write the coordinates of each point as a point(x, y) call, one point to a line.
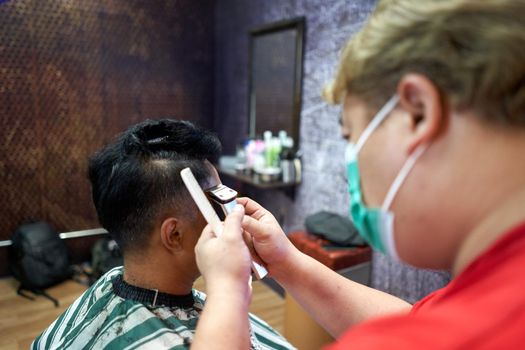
point(255, 181)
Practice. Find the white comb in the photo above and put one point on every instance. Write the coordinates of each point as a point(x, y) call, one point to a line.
point(209, 213)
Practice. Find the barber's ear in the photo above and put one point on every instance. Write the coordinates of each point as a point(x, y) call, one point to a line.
point(171, 235)
point(421, 98)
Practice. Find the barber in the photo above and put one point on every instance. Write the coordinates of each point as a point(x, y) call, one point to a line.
point(433, 96)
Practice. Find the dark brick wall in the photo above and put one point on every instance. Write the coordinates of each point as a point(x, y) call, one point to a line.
point(72, 75)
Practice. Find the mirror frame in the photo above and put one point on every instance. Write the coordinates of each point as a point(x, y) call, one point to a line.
point(297, 24)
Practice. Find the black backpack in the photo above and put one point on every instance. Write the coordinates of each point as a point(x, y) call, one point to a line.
point(336, 228)
point(38, 259)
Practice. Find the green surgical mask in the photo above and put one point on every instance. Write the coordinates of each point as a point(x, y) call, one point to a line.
point(376, 225)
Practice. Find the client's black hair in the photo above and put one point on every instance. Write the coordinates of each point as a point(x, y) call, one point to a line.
point(137, 178)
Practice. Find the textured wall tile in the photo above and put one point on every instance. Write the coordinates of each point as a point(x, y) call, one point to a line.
point(329, 24)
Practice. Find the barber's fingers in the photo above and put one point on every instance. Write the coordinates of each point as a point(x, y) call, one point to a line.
point(257, 229)
point(207, 234)
point(249, 243)
point(252, 208)
point(232, 225)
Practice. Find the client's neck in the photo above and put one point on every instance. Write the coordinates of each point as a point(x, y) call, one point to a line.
point(151, 272)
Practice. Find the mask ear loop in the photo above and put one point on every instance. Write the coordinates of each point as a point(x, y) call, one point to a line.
point(378, 119)
point(401, 177)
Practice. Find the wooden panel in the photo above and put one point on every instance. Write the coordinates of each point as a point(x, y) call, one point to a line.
point(22, 320)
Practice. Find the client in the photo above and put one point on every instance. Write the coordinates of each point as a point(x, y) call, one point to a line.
point(141, 200)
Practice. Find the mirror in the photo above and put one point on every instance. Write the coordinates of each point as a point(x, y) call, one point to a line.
point(275, 86)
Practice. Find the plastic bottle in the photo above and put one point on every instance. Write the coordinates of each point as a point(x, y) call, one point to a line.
point(287, 161)
point(267, 148)
point(275, 152)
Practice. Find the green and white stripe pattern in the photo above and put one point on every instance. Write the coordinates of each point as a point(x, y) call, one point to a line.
point(100, 319)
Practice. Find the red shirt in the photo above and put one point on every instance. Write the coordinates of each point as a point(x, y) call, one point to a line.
point(482, 308)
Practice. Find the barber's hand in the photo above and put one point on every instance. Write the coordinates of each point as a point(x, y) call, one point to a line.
point(268, 238)
point(224, 261)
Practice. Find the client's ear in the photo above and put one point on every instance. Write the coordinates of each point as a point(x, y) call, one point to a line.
point(171, 235)
point(421, 98)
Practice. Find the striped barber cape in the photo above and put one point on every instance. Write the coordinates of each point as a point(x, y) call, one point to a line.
point(101, 319)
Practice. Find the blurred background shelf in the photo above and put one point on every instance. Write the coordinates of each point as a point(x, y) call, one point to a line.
point(255, 180)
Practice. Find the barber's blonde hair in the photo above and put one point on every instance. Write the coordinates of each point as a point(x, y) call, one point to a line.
point(472, 50)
